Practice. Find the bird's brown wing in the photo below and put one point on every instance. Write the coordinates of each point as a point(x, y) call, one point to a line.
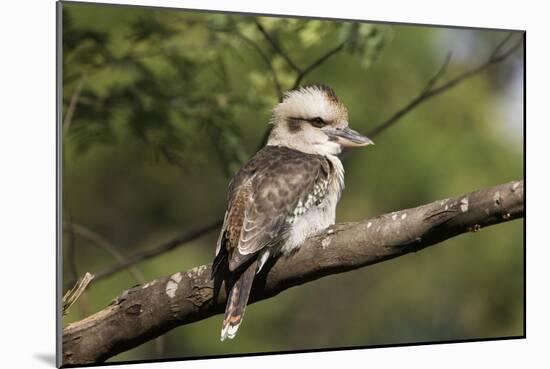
point(263, 198)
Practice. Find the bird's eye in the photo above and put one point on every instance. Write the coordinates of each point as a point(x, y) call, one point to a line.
point(318, 122)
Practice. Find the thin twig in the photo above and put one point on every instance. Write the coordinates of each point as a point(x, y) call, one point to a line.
point(72, 104)
point(71, 256)
point(263, 55)
point(278, 49)
point(100, 241)
point(430, 91)
point(267, 61)
point(74, 293)
point(494, 59)
point(160, 249)
point(438, 74)
point(501, 44)
point(317, 63)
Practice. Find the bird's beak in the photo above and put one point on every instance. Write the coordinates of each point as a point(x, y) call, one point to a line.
point(347, 137)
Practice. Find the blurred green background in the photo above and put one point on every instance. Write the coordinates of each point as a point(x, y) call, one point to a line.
point(160, 107)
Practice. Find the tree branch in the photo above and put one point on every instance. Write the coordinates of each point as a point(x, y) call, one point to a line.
point(149, 310)
point(300, 73)
point(74, 293)
point(429, 90)
point(101, 242)
point(67, 120)
point(159, 249)
point(267, 61)
point(316, 63)
point(276, 47)
point(70, 256)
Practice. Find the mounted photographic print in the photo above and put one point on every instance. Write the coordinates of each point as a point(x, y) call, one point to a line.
point(240, 184)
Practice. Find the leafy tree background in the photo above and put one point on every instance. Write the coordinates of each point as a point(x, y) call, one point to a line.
point(160, 107)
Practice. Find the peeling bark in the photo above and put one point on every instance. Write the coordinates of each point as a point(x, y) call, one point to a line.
point(148, 310)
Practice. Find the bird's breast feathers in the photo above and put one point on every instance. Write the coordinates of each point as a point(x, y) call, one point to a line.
point(318, 210)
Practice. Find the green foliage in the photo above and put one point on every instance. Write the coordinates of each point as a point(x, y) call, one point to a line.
point(170, 103)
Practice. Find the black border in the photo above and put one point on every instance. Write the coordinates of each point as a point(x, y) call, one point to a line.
point(59, 85)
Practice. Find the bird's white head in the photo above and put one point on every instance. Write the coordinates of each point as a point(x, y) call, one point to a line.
point(312, 119)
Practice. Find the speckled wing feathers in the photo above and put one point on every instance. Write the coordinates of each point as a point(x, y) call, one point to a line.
point(264, 197)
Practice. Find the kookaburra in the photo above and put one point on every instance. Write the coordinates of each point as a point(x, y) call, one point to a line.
point(286, 193)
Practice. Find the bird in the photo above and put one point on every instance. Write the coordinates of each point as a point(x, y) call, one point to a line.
point(284, 194)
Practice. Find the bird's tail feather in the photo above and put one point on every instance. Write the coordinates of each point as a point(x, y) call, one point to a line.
point(236, 302)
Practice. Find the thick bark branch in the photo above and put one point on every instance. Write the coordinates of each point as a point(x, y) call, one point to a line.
point(151, 309)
